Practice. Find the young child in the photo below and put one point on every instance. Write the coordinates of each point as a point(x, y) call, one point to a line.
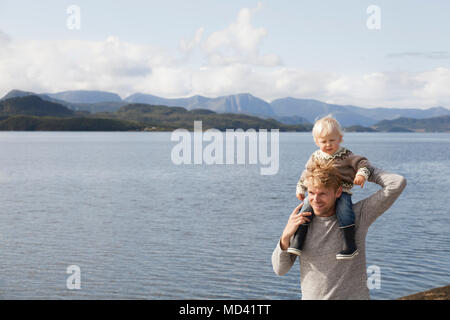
point(354, 169)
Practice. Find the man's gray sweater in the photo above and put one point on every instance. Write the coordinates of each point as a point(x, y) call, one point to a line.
point(322, 276)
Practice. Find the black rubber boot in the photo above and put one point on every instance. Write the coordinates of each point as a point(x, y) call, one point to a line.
point(298, 240)
point(349, 250)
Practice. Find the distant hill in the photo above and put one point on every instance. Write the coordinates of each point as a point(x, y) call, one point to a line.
point(103, 106)
point(43, 96)
point(348, 115)
point(178, 117)
point(96, 107)
point(359, 129)
point(292, 120)
point(26, 112)
point(32, 123)
point(394, 113)
point(314, 109)
point(17, 94)
point(34, 106)
point(188, 103)
point(243, 103)
point(435, 124)
point(85, 96)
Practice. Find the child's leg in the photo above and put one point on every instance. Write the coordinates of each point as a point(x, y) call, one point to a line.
point(346, 219)
point(344, 210)
point(307, 208)
point(298, 240)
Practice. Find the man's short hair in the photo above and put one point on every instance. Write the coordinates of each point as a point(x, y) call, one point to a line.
point(322, 173)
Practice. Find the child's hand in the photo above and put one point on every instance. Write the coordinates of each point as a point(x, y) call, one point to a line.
point(300, 196)
point(359, 180)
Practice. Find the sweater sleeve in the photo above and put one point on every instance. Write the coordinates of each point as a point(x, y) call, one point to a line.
point(374, 206)
point(361, 165)
point(301, 186)
point(282, 261)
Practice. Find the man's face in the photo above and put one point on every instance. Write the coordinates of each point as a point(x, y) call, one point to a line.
point(323, 200)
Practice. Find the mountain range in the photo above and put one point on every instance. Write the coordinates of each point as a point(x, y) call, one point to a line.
point(285, 110)
point(25, 112)
point(33, 113)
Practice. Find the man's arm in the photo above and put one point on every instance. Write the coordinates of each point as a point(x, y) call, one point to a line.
point(374, 206)
point(282, 260)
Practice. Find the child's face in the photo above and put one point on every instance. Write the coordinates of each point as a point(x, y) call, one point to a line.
point(329, 144)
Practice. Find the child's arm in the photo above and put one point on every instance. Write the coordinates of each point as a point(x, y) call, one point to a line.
point(363, 169)
point(301, 189)
point(301, 186)
point(359, 180)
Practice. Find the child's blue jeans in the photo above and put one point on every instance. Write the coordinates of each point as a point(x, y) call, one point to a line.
point(344, 210)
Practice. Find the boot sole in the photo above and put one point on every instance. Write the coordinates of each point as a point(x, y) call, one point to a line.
point(294, 251)
point(346, 257)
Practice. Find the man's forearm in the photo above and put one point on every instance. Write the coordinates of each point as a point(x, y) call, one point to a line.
point(392, 186)
point(282, 261)
point(284, 243)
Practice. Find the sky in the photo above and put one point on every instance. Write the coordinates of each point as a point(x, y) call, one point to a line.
point(378, 53)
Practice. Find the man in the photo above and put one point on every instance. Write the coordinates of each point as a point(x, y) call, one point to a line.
point(322, 275)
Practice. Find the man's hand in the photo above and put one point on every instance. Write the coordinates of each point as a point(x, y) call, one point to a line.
point(300, 196)
point(295, 219)
point(359, 180)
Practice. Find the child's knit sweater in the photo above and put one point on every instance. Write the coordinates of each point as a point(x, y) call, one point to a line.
point(348, 164)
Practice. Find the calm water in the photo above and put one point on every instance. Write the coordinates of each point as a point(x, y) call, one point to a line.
point(140, 227)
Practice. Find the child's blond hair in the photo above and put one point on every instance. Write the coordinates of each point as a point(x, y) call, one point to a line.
point(326, 126)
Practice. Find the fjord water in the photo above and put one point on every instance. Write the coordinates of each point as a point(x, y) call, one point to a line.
point(140, 227)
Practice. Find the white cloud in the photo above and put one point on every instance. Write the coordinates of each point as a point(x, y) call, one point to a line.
point(391, 89)
point(239, 43)
point(51, 66)
point(240, 35)
point(4, 39)
point(435, 87)
point(187, 46)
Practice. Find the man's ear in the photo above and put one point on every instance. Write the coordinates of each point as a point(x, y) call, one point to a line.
point(339, 192)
